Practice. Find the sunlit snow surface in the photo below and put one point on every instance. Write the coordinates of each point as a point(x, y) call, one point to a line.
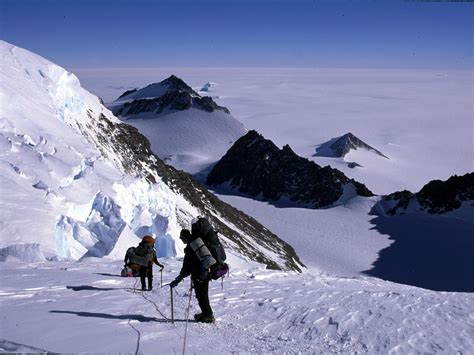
point(87, 307)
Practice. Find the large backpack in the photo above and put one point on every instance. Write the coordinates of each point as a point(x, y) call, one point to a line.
point(142, 254)
point(202, 229)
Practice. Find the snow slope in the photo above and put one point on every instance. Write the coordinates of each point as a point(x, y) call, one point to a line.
point(190, 140)
point(86, 307)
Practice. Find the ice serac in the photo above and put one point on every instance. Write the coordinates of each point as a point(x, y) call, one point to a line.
point(257, 167)
point(80, 183)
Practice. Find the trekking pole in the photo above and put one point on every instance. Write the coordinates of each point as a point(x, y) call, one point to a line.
point(187, 317)
point(161, 281)
point(172, 310)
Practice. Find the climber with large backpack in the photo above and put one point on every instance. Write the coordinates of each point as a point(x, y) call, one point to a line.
point(144, 255)
point(204, 258)
point(130, 269)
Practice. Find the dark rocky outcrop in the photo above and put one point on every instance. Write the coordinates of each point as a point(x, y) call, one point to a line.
point(170, 94)
point(339, 147)
point(255, 166)
point(206, 103)
point(436, 197)
point(132, 149)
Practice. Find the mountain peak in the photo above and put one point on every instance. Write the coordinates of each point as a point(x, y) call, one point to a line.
point(340, 146)
point(176, 84)
point(171, 93)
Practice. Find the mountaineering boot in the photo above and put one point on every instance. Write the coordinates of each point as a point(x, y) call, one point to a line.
point(150, 283)
point(204, 319)
point(197, 316)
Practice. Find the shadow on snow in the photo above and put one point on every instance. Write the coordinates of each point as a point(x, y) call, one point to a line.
point(429, 251)
point(137, 317)
point(105, 274)
point(91, 288)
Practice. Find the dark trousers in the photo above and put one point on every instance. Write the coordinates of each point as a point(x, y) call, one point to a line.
point(202, 294)
point(146, 271)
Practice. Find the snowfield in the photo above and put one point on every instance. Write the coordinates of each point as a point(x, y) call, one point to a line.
point(87, 307)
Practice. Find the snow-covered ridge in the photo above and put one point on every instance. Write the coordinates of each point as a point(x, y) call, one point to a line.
point(80, 183)
point(170, 94)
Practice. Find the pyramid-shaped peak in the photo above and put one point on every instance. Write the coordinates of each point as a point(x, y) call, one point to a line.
point(170, 85)
point(340, 146)
point(174, 80)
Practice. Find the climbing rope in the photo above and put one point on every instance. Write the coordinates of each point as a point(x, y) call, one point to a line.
point(148, 299)
point(138, 339)
point(156, 306)
point(161, 313)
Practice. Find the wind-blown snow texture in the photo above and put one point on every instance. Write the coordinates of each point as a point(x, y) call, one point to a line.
point(87, 307)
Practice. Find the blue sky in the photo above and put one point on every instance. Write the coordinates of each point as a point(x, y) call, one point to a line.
point(297, 33)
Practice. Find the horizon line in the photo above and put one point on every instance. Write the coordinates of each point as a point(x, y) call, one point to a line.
point(267, 67)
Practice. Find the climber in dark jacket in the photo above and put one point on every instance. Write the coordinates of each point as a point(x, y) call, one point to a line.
point(199, 278)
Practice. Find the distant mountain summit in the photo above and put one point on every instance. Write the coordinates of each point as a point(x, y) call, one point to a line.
point(209, 86)
point(256, 166)
point(338, 147)
point(166, 86)
point(171, 94)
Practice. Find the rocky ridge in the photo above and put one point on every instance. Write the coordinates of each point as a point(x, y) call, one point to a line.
point(256, 166)
point(436, 197)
